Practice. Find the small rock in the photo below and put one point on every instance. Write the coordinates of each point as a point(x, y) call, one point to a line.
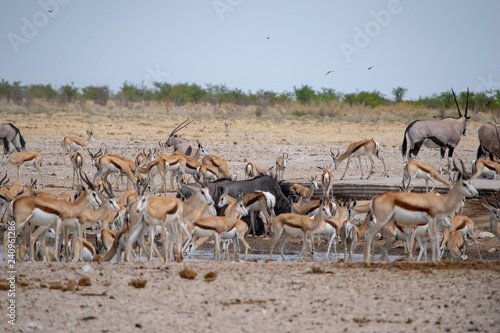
point(492, 250)
point(211, 276)
point(70, 286)
point(84, 282)
point(138, 283)
point(187, 273)
point(4, 284)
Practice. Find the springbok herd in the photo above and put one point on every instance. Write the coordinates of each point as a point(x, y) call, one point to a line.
point(212, 206)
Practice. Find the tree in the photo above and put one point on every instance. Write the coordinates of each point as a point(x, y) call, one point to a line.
point(68, 93)
point(399, 93)
point(304, 95)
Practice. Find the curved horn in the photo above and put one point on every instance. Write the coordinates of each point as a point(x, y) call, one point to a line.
point(181, 126)
point(87, 181)
point(458, 108)
point(108, 188)
point(467, 104)
point(1, 181)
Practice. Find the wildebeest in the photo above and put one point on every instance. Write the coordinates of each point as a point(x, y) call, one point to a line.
point(11, 134)
point(443, 133)
point(489, 140)
point(241, 187)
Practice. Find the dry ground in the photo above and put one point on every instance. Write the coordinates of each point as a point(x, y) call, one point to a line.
point(246, 295)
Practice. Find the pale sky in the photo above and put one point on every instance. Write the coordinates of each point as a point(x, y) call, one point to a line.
point(425, 46)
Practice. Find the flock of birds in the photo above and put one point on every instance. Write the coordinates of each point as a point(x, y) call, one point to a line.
point(125, 223)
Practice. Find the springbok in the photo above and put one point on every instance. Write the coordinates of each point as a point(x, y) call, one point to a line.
point(69, 143)
point(42, 211)
point(489, 140)
point(77, 164)
point(494, 217)
point(326, 181)
point(252, 171)
point(408, 208)
point(464, 225)
point(281, 162)
point(414, 169)
point(227, 125)
point(219, 163)
point(305, 193)
point(443, 134)
point(214, 226)
point(11, 134)
point(26, 158)
point(290, 224)
point(367, 148)
point(457, 247)
point(485, 168)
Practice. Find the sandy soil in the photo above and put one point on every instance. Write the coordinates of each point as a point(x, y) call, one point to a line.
point(248, 295)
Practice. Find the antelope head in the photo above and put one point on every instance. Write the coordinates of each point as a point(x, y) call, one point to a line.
point(334, 157)
point(464, 131)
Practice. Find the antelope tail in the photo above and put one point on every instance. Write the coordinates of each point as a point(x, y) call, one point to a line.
point(403, 147)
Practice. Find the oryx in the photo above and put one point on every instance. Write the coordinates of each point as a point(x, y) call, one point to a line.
point(444, 133)
point(11, 134)
point(183, 145)
point(489, 140)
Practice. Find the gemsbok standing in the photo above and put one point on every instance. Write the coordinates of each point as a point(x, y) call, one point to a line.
point(444, 134)
point(489, 140)
point(407, 208)
point(11, 134)
point(368, 148)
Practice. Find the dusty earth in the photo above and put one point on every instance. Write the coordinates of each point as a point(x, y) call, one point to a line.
point(250, 295)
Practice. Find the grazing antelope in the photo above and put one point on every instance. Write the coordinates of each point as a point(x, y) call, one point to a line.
point(290, 224)
point(485, 168)
point(419, 208)
point(26, 158)
point(281, 162)
point(77, 163)
point(464, 225)
point(161, 165)
point(305, 193)
point(110, 163)
point(42, 211)
point(252, 171)
point(444, 133)
point(367, 148)
point(227, 125)
point(457, 247)
point(326, 181)
point(489, 140)
point(214, 226)
point(69, 143)
point(11, 134)
point(219, 163)
point(414, 169)
point(84, 247)
point(236, 234)
point(494, 218)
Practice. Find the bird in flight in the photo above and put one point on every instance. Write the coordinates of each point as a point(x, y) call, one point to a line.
point(369, 68)
point(329, 72)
